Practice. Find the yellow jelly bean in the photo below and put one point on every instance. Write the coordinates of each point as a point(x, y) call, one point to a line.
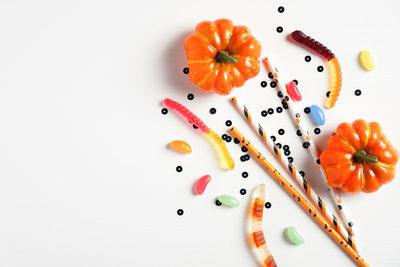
point(180, 146)
point(366, 60)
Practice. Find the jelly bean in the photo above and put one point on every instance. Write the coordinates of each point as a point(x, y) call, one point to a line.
point(229, 201)
point(293, 236)
point(293, 91)
point(201, 184)
point(317, 115)
point(366, 60)
point(180, 146)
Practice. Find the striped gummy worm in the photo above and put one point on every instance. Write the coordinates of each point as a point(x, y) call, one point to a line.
point(335, 73)
point(255, 230)
point(225, 159)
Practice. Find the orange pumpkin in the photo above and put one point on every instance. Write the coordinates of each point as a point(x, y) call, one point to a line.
point(221, 56)
point(359, 158)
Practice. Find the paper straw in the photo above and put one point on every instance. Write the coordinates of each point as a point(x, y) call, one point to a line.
point(340, 207)
point(299, 198)
point(294, 172)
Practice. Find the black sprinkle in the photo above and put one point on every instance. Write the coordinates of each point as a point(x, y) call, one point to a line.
point(243, 191)
point(213, 110)
point(306, 145)
point(264, 113)
point(228, 123)
point(278, 145)
point(164, 111)
point(267, 205)
point(279, 109)
point(190, 96)
point(296, 82)
point(318, 161)
point(195, 126)
point(180, 212)
point(273, 138)
point(280, 94)
point(224, 136)
point(350, 224)
point(317, 130)
point(242, 158)
point(218, 203)
point(179, 168)
point(273, 84)
point(307, 58)
point(297, 115)
point(287, 152)
point(270, 111)
point(320, 69)
point(247, 157)
point(328, 93)
point(270, 75)
point(245, 174)
point(279, 29)
point(244, 149)
point(357, 92)
point(263, 84)
point(281, 132)
point(228, 139)
point(290, 159)
point(286, 98)
point(339, 207)
point(307, 110)
point(236, 141)
point(285, 147)
point(302, 173)
point(281, 9)
point(298, 132)
point(186, 70)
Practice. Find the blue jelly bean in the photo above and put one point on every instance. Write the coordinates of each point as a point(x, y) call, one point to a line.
point(317, 115)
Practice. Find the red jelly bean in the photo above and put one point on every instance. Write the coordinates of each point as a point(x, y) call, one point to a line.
point(201, 184)
point(293, 92)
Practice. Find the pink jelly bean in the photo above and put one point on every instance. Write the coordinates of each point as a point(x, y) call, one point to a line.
point(293, 92)
point(201, 184)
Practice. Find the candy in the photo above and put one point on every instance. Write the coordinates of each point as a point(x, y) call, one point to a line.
point(293, 236)
point(180, 146)
point(255, 231)
point(201, 184)
point(293, 91)
point(335, 73)
point(317, 115)
point(225, 159)
point(366, 60)
point(229, 201)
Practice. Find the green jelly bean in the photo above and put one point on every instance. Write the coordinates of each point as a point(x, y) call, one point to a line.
point(292, 236)
point(229, 201)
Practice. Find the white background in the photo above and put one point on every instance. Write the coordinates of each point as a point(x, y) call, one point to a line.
point(85, 175)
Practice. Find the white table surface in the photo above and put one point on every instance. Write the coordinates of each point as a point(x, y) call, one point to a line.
point(85, 175)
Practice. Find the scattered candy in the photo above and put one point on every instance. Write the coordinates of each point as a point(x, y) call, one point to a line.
point(255, 230)
point(317, 115)
point(335, 73)
point(226, 160)
point(366, 60)
point(180, 146)
point(201, 184)
point(293, 236)
point(228, 201)
point(293, 91)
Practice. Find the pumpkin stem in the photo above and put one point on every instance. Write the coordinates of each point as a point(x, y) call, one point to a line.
point(362, 157)
point(224, 57)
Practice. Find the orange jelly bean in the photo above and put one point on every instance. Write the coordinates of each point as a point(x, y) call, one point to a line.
point(180, 146)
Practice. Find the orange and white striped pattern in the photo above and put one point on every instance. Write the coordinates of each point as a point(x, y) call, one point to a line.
point(255, 230)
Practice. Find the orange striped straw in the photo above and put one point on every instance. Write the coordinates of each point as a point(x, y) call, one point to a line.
point(300, 199)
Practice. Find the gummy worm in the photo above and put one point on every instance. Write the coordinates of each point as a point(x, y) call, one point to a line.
point(335, 73)
point(255, 230)
point(317, 200)
point(305, 134)
point(300, 200)
point(226, 160)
